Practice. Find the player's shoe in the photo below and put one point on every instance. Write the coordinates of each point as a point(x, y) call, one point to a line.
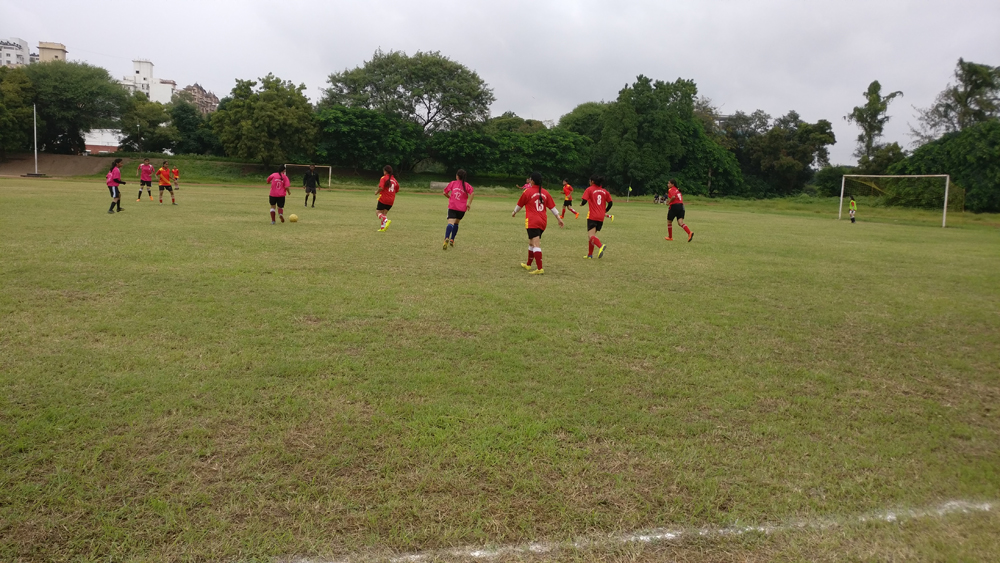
point(691, 236)
point(161, 202)
point(612, 217)
point(120, 210)
point(668, 238)
point(387, 223)
point(600, 251)
point(150, 198)
point(525, 266)
point(576, 214)
point(282, 217)
point(445, 245)
point(138, 200)
point(537, 272)
point(451, 243)
point(588, 257)
point(272, 222)
point(173, 203)
point(111, 212)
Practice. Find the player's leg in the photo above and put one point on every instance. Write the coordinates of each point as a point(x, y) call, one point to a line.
point(271, 200)
point(161, 195)
point(680, 221)
point(114, 200)
point(591, 237)
point(448, 231)
point(149, 190)
point(670, 228)
point(576, 215)
point(281, 208)
point(171, 190)
point(536, 248)
point(531, 250)
point(138, 198)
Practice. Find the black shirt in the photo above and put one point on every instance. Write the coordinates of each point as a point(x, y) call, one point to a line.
point(310, 179)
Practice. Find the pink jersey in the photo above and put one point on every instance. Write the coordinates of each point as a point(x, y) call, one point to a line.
point(113, 176)
point(146, 172)
point(458, 195)
point(279, 184)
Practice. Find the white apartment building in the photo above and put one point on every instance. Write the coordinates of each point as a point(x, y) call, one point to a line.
point(14, 52)
point(158, 90)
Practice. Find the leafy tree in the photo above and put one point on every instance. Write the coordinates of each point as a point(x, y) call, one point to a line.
point(475, 151)
point(871, 118)
point(146, 126)
point(586, 119)
point(194, 131)
point(972, 158)
point(15, 110)
point(974, 99)
point(365, 139)
point(511, 123)
point(827, 179)
point(272, 123)
point(72, 99)
point(428, 89)
point(885, 156)
point(741, 132)
point(786, 153)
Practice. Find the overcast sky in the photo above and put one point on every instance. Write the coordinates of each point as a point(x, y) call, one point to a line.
point(543, 57)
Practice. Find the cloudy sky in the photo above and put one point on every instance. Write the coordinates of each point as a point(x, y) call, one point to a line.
point(543, 57)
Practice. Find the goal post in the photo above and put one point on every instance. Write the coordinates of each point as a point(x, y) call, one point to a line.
point(860, 177)
point(329, 170)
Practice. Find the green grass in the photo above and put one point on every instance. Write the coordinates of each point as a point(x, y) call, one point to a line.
point(192, 383)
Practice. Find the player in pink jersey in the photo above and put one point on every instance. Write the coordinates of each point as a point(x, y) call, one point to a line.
point(279, 189)
point(459, 194)
point(145, 172)
point(114, 179)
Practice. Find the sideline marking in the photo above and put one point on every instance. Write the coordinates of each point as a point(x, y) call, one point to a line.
point(659, 535)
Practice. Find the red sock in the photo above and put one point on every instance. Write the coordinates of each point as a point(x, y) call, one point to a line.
point(381, 218)
point(686, 229)
point(670, 231)
point(531, 256)
point(172, 200)
point(590, 250)
point(161, 199)
point(563, 214)
point(595, 241)
point(538, 258)
point(272, 215)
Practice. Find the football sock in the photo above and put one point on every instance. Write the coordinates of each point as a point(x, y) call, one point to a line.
point(670, 231)
point(563, 214)
point(382, 218)
point(172, 200)
point(538, 257)
point(306, 202)
point(590, 249)
point(447, 231)
point(531, 255)
point(272, 214)
point(595, 241)
point(686, 229)
point(454, 231)
point(119, 204)
point(140, 194)
point(112, 208)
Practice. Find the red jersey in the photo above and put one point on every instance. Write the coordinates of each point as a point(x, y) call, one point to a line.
point(164, 175)
point(674, 196)
point(177, 173)
point(535, 207)
point(387, 186)
point(597, 199)
point(568, 192)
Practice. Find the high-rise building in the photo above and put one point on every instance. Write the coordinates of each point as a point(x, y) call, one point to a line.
point(156, 89)
point(205, 101)
point(14, 52)
point(48, 52)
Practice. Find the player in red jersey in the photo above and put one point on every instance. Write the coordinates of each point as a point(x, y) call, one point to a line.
point(568, 200)
point(676, 202)
point(535, 200)
point(165, 176)
point(145, 179)
point(598, 202)
point(387, 189)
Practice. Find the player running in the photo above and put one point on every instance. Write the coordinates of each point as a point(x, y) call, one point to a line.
point(459, 194)
point(854, 208)
point(279, 189)
point(535, 200)
point(164, 176)
point(568, 200)
point(387, 188)
point(145, 172)
point(177, 177)
point(598, 201)
point(114, 179)
point(676, 211)
point(311, 182)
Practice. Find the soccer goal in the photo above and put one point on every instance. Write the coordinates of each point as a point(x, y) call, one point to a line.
point(303, 167)
point(912, 190)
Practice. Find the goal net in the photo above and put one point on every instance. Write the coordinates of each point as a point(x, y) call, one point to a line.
point(926, 191)
point(295, 172)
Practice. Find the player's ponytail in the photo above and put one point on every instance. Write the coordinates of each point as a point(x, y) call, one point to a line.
point(536, 177)
point(462, 174)
point(115, 164)
point(281, 169)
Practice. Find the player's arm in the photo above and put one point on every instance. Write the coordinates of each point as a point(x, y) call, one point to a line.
point(554, 212)
point(608, 206)
point(468, 204)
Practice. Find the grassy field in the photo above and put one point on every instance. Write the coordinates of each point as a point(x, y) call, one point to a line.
point(192, 383)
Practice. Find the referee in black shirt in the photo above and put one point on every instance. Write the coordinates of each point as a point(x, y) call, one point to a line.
point(311, 182)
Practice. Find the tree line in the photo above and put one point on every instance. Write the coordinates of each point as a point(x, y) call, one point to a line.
point(410, 111)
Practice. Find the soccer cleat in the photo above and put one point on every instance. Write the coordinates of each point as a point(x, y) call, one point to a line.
point(691, 236)
point(612, 217)
point(387, 223)
point(445, 245)
point(588, 257)
point(451, 243)
point(272, 222)
point(537, 272)
point(314, 205)
point(138, 200)
point(173, 203)
point(150, 198)
point(110, 212)
point(282, 217)
point(161, 202)
point(525, 266)
point(600, 251)
point(668, 238)
point(576, 215)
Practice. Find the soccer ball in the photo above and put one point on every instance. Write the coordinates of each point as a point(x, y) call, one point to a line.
point(293, 218)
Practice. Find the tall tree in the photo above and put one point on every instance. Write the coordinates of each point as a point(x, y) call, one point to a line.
point(429, 89)
point(72, 99)
point(272, 123)
point(15, 110)
point(194, 131)
point(787, 153)
point(973, 99)
point(145, 126)
point(586, 119)
point(871, 119)
point(366, 139)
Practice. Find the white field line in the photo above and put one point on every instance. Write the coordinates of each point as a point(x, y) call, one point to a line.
point(660, 535)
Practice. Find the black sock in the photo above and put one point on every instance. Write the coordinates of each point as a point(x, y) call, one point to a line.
point(314, 199)
point(454, 231)
point(112, 208)
point(140, 194)
point(119, 202)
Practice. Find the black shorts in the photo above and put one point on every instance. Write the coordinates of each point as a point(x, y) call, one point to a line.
point(115, 192)
point(276, 201)
point(167, 187)
point(676, 212)
point(456, 214)
point(311, 190)
point(147, 183)
point(532, 233)
point(383, 206)
point(567, 203)
point(594, 225)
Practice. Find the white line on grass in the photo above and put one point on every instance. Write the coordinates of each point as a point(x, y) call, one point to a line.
point(660, 535)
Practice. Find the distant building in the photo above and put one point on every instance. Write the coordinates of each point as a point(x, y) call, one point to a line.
point(157, 90)
point(48, 52)
point(206, 102)
point(102, 141)
point(14, 52)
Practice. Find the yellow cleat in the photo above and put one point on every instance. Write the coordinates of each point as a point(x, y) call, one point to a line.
point(451, 243)
point(537, 272)
point(445, 245)
point(525, 266)
point(588, 257)
point(600, 251)
point(612, 217)
point(387, 223)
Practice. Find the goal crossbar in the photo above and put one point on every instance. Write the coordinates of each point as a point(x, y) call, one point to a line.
point(329, 170)
point(947, 183)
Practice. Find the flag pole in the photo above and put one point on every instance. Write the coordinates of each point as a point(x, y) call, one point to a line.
point(34, 119)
